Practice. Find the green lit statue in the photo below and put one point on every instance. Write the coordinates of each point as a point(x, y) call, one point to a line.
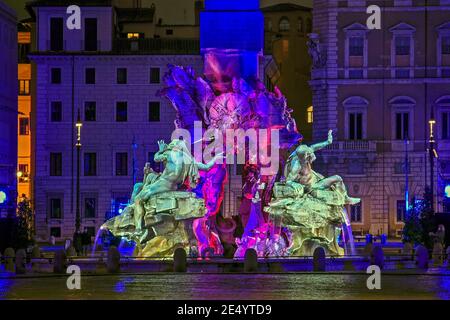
point(309, 204)
point(159, 218)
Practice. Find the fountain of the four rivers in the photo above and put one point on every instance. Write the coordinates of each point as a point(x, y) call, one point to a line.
point(224, 115)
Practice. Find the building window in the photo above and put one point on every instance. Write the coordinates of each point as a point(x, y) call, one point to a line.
point(90, 208)
point(24, 87)
point(169, 32)
point(402, 45)
point(356, 213)
point(24, 173)
point(55, 232)
point(90, 34)
point(55, 208)
point(90, 111)
point(122, 76)
point(56, 34)
point(443, 106)
point(154, 111)
point(284, 24)
point(402, 125)
point(24, 50)
point(155, 77)
point(24, 126)
point(90, 164)
point(121, 164)
point(56, 75)
point(56, 164)
point(122, 111)
point(90, 76)
point(356, 56)
point(135, 35)
point(355, 125)
point(401, 210)
point(310, 114)
point(356, 46)
point(355, 117)
point(56, 111)
point(300, 25)
point(445, 43)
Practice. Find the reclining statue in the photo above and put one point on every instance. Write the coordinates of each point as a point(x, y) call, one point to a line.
point(309, 204)
point(162, 209)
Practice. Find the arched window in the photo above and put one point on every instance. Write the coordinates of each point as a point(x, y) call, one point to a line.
point(300, 25)
point(443, 121)
point(355, 117)
point(402, 117)
point(284, 24)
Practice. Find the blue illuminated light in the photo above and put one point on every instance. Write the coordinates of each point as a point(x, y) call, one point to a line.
point(447, 191)
point(3, 197)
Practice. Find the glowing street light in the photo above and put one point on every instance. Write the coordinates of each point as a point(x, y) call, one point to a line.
point(432, 154)
point(77, 235)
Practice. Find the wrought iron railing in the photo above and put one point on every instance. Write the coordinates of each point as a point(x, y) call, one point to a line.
point(157, 46)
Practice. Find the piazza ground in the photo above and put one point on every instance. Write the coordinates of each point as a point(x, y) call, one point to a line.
point(316, 286)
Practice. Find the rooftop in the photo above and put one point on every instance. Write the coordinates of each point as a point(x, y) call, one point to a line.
point(285, 7)
point(59, 3)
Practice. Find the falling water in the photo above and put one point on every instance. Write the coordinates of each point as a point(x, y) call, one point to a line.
point(347, 236)
point(98, 240)
point(126, 248)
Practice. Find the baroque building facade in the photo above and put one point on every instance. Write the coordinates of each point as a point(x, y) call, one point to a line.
point(111, 78)
point(24, 168)
point(378, 89)
point(8, 111)
point(110, 73)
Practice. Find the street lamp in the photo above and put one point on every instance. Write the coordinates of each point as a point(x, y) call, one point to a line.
point(432, 155)
point(77, 239)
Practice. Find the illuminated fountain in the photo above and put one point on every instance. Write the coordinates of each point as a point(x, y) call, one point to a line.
point(289, 213)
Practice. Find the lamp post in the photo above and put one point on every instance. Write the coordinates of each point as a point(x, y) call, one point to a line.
point(432, 154)
point(77, 238)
